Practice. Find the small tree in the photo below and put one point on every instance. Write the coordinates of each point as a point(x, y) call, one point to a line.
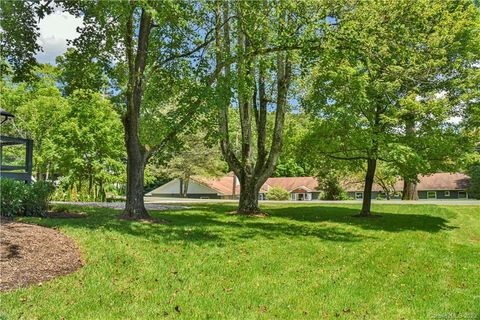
point(196, 157)
point(92, 138)
point(330, 184)
point(474, 187)
point(386, 177)
point(277, 193)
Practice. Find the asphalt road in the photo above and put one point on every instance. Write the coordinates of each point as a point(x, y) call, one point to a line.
point(158, 203)
point(153, 200)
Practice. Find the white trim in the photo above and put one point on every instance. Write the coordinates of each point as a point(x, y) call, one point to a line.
point(446, 193)
point(300, 187)
point(435, 192)
point(440, 190)
point(458, 194)
point(307, 196)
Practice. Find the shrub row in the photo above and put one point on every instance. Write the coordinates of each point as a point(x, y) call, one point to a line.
point(20, 199)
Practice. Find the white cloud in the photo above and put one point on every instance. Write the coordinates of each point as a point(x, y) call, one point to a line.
point(55, 29)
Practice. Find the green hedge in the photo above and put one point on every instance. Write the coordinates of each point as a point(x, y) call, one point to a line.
point(21, 199)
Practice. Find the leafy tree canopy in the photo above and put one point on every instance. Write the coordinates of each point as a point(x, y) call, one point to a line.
point(387, 67)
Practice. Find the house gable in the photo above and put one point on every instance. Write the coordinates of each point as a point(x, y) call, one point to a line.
point(300, 189)
point(173, 188)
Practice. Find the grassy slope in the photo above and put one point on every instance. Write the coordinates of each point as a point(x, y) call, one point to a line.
point(305, 261)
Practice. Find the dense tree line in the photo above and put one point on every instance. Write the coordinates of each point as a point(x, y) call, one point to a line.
point(77, 138)
point(346, 87)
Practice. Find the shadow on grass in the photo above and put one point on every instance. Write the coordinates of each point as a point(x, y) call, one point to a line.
point(391, 222)
point(204, 225)
point(201, 226)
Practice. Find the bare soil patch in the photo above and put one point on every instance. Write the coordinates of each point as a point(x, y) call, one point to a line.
point(31, 254)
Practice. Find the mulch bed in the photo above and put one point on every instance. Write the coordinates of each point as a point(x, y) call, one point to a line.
point(30, 254)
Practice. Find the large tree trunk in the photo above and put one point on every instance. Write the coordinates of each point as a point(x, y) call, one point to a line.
point(252, 105)
point(248, 203)
point(185, 182)
point(409, 181)
point(367, 191)
point(409, 190)
point(39, 173)
point(134, 206)
point(47, 174)
point(136, 153)
point(90, 179)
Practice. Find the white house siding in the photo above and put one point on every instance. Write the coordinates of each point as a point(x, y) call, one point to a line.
point(172, 188)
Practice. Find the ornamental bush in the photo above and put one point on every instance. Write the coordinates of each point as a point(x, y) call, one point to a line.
point(36, 198)
point(276, 193)
point(11, 197)
point(21, 199)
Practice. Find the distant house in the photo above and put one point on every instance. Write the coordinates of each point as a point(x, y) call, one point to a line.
point(300, 188)
point(228, 187)
point(436, 186)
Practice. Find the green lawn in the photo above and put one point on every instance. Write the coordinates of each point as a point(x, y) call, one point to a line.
point(303, 262)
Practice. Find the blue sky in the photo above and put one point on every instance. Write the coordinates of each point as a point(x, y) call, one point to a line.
point(55, 29)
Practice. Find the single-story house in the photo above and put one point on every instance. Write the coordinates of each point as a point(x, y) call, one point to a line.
point(228, 187)
point(435, 186)
point(300, 188)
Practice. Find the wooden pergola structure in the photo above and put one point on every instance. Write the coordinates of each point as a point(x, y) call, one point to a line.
point(17, 172)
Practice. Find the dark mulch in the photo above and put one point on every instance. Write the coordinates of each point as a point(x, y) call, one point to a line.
point(30, 254)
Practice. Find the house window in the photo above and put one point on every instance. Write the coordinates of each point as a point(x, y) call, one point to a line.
point(447, 194)
point(359, 195)
point(431, 195)
point(462, 195)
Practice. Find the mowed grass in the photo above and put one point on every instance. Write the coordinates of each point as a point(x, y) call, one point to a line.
point(305, 261)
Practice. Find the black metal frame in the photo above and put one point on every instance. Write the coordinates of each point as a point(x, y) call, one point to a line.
point(6, 115)
point(5, 171)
